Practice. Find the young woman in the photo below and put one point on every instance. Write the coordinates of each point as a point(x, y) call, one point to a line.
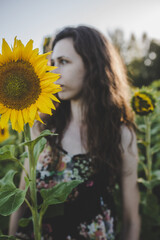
point(96, 141)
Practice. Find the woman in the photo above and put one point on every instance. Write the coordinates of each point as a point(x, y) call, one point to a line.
point(96, 141)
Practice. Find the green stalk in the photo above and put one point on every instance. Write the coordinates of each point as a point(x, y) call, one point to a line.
point(148, 148)
point(33, 190)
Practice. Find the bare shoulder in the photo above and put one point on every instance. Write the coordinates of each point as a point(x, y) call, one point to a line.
point(128, 136)
point(128, 148)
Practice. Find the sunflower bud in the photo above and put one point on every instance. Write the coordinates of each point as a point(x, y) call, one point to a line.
point(143, 103)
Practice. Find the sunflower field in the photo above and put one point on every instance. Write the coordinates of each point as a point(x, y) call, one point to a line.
point(146, 105)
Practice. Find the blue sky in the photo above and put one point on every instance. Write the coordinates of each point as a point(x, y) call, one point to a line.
point(35, 19)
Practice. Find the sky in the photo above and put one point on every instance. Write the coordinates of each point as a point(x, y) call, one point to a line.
point(36, 19)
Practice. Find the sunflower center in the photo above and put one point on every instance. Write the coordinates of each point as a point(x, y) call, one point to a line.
point(19, 85)
point(15, 86)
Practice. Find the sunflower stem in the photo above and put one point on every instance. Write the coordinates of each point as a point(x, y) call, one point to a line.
point(148, 149)
point(33, 189)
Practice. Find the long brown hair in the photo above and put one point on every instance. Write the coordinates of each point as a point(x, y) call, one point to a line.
point(106, 102)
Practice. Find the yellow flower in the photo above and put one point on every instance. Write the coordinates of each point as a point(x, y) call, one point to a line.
point(26, 85)
point(4, 134)
point(143, 103)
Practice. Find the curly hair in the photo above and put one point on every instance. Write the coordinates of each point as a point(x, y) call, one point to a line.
point(105, 98)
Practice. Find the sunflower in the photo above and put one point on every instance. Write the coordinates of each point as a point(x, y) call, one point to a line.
point(143, 103)
point(4, 134)
point(26, 85)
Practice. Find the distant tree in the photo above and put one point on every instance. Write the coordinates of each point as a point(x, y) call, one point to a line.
point(117, 39)
point(145, 70)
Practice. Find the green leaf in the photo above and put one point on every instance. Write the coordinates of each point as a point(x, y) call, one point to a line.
point(156, 174)
point(44, 133)
point(5, 237)
point(144, 182)
point(24, 155)
point(144, 143)
point(23, 222)
point(54, 210)
point(142, 127)
point(155, 129)
point(8, 178)
point(38, 148)
point(149, 184)
point(58, 193)
point(155, 148)
point(151, 206)
point(11, 198)
point(7, 152)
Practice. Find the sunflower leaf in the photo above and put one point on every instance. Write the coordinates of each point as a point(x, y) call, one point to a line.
point(7, 152)
point(5, 237)
point(149, 184)
point(58, 193)
point(11, 197)
point(38, 148)
point(24, 155)
point(155, 148)
point(23, 222)
point(44, 133)
point(8, 178)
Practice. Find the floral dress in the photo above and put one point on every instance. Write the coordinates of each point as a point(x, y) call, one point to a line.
point(88, 212)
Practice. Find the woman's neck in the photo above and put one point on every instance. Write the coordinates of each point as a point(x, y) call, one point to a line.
point(76, 111)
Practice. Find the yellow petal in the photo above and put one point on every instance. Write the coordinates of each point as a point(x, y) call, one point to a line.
point(5, 118)
point(25, 115)
point(54, 98)
point(52, 89)
point(15, 43)
point(46, 83)
point(20, 120)
point(17, 127)
point(13, 117)
point(32, 111)
point(31, 123)
point(28, 49)
point(42, 107)
point(50, 75)
point(3, 109)
point(48, 102)
point(40, 65)
point(38, 118)
point(6, 51)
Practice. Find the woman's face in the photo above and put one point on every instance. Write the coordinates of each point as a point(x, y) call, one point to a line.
point(71, 68)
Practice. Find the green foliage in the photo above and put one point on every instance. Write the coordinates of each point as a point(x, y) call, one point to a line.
point(11, 197)
point(58, 193)
point(5, 237)
point(5, 166)
point(7, 152)
point(148, 135)
point(23, 222)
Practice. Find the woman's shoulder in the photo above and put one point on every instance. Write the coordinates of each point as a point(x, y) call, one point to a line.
point(128, 147)
point(128, 136)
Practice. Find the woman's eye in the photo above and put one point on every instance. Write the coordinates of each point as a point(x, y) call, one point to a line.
point(63, 61)
point(52, 62)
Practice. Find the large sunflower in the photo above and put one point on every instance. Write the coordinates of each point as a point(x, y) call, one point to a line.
point(26, 85)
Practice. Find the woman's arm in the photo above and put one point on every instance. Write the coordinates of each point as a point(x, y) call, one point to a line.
point(130, 192)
